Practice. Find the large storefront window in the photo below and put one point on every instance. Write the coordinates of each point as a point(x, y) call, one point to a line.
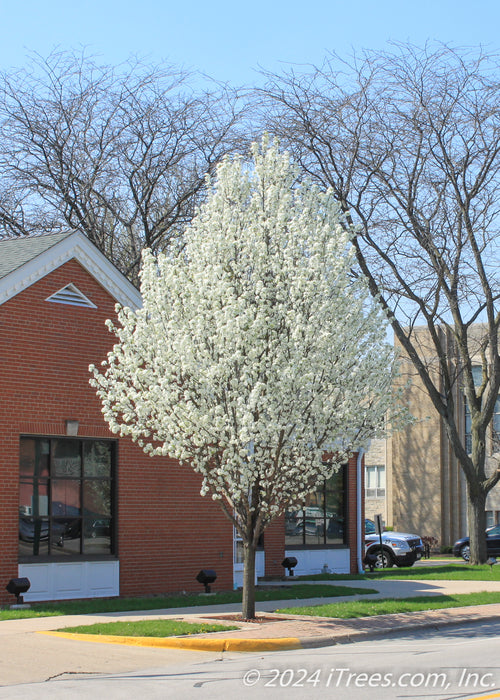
point(321, 521)
point(66, 503)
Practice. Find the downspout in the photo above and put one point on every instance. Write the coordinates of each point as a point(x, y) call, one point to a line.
point(359, 500)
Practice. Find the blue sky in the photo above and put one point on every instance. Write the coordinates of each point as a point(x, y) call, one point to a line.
point(230, 40)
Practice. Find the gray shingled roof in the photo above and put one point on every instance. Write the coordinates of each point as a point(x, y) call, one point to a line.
point(15, 252)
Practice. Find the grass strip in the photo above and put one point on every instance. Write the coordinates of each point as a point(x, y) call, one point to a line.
point(449, 572)
point(148, 628)
point(386, 606)
point(102, 605)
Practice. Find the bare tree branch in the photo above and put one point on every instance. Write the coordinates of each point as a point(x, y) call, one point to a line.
point(120, 154)
point(409, 140)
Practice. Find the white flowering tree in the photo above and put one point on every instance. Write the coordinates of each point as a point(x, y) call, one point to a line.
point(256, 350)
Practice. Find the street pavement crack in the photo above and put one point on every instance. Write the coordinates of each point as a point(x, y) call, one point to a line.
point(73, 673)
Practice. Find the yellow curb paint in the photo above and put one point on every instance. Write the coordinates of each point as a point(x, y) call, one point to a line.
point(195, 643)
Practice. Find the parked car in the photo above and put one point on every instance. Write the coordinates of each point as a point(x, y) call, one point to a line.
point(310, 519)
point(398, 548)
point(99, 528)
point(29, 529)
point(461, 548)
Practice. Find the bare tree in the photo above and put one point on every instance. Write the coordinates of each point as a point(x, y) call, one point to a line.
point(409, 140)
point(118, 153)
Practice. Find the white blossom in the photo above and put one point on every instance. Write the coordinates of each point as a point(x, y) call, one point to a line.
point(256, 349)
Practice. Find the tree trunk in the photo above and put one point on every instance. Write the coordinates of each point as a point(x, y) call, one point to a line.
point(477, 525)
point(248, 601)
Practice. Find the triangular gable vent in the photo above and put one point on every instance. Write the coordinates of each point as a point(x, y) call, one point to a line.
point(71, 295)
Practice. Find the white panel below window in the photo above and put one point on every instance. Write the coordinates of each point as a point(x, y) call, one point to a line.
point(69, 580)
point(313, 561)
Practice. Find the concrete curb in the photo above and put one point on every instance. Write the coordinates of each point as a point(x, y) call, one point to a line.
point(194, 643)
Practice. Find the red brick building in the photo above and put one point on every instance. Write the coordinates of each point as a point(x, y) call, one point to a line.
point(84, 513)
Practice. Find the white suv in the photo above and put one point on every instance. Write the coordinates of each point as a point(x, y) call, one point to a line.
point(398, 548)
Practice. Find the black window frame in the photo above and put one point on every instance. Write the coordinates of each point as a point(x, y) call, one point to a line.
point(83, 518)
point(344, 519)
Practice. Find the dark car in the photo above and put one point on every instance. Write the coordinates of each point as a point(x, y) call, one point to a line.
point(461, 548)
point(101, 527)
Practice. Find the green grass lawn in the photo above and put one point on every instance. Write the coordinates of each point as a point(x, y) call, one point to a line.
point(369, 608)
point(100, 605)
point(287, 592)
point(148, 628)
point(345, 610)
point(447, 572)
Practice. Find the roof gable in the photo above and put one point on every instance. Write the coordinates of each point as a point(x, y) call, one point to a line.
point(24, 261)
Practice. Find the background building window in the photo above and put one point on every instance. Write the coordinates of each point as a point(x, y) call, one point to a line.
point(495, 428)
point(66, 500)
point(321, 520)
point(477, 374)
point(375, 481)
point(492, 518)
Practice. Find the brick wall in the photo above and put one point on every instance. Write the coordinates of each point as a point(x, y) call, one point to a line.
point(167, 531)
point(274, 544)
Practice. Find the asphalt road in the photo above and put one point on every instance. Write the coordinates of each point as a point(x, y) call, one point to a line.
point(460, 662)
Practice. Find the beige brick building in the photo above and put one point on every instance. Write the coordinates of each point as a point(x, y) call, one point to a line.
point(425, 490)
point(376, 460)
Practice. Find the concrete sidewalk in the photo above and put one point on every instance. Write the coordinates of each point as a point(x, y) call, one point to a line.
point(54, 653)
point(275, 632)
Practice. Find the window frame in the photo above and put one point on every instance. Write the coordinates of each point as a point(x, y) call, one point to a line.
point(380, 491)
point(304, 545)
point(82, 518)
